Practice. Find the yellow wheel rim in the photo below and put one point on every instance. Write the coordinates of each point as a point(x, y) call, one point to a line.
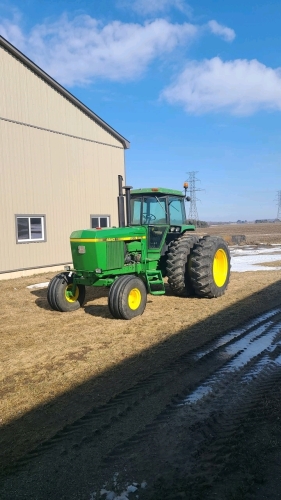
point(220, 267)
point(134, 299)
point(68, 294)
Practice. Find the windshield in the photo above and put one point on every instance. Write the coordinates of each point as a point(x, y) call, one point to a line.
point(154, 210)
point(157, 210)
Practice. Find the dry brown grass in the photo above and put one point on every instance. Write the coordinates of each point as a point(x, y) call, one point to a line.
point(266, 233)
point(274, 263)
point(45, 353)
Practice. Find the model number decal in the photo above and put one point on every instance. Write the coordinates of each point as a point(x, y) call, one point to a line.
point(95, 240)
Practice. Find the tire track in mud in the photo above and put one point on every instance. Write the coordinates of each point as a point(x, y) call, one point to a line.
point(199, 388)
point(221, 434)
point(212, 419)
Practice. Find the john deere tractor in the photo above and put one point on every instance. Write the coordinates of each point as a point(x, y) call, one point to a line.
point(132, 259)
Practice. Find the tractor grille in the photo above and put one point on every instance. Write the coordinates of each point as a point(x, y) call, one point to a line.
point(115, 254)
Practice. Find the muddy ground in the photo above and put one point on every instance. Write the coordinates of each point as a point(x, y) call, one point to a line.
point(88, 401)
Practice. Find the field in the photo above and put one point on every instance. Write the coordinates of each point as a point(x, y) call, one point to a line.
point(255, 233)
point(57, 367)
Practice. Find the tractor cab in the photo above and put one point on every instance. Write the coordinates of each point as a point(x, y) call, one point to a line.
point(162, 210)
point(157, 206)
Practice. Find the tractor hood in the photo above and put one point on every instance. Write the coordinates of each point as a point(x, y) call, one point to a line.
point(103, 249)
point(108, 234)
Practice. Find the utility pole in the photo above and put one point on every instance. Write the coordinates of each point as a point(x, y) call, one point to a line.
point(279, 205)
point(193, 213)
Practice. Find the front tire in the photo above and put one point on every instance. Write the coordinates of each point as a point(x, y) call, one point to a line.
point(59, 294)
point(127, 297)
point(210, 267)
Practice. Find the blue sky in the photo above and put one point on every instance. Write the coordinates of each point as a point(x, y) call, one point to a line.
point(194, 86)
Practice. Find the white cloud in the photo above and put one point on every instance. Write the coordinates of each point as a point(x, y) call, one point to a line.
point(240, 87)
point(11, 30)
point(228, 34)
point(150, 7)
point(81, 50)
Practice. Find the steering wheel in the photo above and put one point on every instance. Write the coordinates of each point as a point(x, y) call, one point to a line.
point(148, 218)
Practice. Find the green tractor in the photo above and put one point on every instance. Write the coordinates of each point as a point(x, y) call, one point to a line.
point(133, 259)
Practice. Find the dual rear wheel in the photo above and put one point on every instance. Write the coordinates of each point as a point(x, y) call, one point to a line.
point(198, 267)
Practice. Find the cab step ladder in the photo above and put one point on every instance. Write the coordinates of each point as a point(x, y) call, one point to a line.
point(155, 282)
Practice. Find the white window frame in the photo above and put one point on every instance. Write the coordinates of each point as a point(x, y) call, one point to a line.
point(99, 216)
point(29, 217)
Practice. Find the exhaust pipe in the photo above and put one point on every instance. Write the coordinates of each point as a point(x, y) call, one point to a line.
point(120, 203)
point(128, 203)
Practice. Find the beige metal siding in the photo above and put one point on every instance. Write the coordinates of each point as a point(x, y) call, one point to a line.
point(66, 179)
point(26, 98)
point(48, 173)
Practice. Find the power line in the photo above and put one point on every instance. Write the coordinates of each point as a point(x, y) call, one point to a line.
point(193, 212)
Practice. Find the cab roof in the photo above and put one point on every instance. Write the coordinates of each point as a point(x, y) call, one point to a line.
point(155, 191)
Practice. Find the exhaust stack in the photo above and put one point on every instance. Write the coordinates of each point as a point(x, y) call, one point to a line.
point(128, 203)
point(120, 203)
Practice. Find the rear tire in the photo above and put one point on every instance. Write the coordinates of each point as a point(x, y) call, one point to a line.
point(59, 294)
point(127, 297)
point(178, 263)
point(210, 267)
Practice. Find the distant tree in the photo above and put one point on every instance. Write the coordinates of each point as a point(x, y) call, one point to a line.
point(202, 223)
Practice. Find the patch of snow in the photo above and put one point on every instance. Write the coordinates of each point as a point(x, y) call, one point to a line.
point(249, 259)
point(38, 285)
point(106, 494)
point(110, 495)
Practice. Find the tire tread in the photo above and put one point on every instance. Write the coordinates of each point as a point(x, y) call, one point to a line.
point(201, 269)
point(177, 265)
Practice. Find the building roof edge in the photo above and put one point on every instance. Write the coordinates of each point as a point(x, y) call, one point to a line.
point(59, 88)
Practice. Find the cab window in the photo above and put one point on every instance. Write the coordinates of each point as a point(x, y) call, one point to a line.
point(154, 210)
point(176, 210)
point(136, 210)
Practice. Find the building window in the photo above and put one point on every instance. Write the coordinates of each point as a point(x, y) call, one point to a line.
point(30, 228)
point(100, 221)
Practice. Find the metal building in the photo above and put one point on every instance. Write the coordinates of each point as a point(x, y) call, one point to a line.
point(59, 164)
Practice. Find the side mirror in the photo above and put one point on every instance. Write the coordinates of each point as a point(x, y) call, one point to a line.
point(188, 198)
